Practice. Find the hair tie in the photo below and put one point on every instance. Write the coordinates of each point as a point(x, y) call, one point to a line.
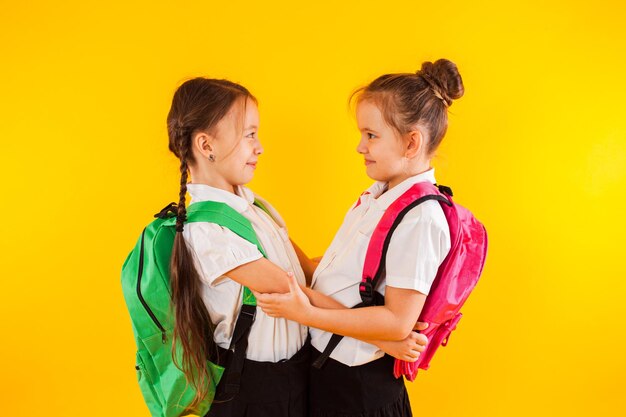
point(433, 87)
point(439, 96)
point(180, 222)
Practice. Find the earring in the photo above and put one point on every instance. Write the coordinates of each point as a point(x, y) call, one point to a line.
point(212, 158)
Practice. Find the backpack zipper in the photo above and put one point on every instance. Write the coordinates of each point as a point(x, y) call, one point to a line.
point(143, 302)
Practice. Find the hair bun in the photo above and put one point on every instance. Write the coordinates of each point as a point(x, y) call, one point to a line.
point(443, 76)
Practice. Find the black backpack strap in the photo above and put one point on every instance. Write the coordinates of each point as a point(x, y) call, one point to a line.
point(332, 344)
point(167, 211)
point(376, 300)
point(368, 289)
point(231, 380)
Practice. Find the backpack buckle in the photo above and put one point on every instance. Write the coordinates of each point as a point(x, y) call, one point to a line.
point(164, 213)
point(366, 291)
point(445, 190)
point(249, 311)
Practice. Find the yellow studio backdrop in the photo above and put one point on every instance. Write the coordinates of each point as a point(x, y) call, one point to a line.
point(536, 149)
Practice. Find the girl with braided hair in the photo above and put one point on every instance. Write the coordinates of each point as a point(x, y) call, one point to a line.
point(213, 130)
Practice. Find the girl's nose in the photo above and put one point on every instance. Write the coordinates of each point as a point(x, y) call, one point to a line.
point(361, 148)
point(258, 148)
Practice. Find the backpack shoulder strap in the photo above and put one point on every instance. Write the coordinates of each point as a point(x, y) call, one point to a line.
point(374, 266)
point(269, 210)
point(263, 206)
point(224, 215)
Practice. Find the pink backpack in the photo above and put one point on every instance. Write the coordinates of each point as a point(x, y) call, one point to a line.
point(456, 278)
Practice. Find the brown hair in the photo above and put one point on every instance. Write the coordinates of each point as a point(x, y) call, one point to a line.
point(198, 105)
point(421, 98)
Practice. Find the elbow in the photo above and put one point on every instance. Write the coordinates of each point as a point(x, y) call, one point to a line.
point(282, 288)
point(402, 330)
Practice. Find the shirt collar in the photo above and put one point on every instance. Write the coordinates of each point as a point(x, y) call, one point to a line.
point(239, 201)
point(383, 201)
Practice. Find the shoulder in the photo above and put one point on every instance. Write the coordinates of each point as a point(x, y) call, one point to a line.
point(417, 247)
point(204, 235)
point(423, 226)
point(217, 250)
point(427, 213)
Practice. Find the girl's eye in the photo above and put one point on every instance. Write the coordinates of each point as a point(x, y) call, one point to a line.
point(251, 135)
point(371, 136)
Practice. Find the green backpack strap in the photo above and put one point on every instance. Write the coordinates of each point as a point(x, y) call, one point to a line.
point(260, 205)
point(223, 215)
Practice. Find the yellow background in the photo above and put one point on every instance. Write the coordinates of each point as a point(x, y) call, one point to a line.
point(536, 149)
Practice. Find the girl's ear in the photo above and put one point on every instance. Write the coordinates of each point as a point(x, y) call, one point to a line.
point(415, 143)
point(203, 144)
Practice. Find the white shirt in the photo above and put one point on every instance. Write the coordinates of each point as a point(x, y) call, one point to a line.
point(417, 247)
point(217, 250)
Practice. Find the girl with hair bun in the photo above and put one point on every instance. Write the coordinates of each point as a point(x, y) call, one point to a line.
point(402, 119)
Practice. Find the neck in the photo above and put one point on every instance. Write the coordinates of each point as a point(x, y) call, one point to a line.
point(401, 177)
point(212, 181)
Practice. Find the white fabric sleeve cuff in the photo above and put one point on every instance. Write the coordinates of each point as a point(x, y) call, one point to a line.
point(218, 250)
point(410, 283)
point(223, 278)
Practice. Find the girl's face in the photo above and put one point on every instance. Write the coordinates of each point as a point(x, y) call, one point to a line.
point(236, 146)
point(382, 149)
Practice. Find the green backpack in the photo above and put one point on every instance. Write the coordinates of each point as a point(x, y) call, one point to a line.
point(146, 287)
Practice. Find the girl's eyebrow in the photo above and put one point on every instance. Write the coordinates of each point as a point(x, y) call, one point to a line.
point(367, 128)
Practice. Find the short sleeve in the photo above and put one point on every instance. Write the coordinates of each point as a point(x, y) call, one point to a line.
point(217, 250)
point(418, 246)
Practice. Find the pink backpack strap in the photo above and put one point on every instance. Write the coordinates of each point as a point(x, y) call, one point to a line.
point(373, 268)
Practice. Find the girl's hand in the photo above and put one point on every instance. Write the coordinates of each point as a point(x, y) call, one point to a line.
point(419, 326)
point(294, 305)
point(408, 349)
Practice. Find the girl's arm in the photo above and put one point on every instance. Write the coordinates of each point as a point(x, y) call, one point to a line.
point(308, 265)
point(269, 277)
point(393, 321)
point(261, 276)
point(219, 252)
point(408, 349)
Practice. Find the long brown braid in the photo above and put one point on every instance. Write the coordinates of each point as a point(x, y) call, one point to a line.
point(198, 105)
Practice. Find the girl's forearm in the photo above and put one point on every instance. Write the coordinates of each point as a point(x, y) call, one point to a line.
point(370, 323)
point(323, 301)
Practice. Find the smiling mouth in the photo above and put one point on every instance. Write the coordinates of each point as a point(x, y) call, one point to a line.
point(368, 162)
point(252, 164)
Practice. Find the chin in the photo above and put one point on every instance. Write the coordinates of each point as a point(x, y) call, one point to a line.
point(373, 175)
point(246, 179)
